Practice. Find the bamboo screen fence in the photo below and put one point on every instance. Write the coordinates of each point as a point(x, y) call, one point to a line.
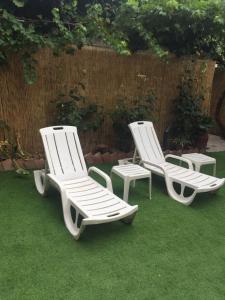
point(106, 77)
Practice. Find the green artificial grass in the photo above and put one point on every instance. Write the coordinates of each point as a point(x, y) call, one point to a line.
point(170, 251)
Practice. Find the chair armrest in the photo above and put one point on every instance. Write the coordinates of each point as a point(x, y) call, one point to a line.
point(103, 175)
point(155, 165)
point(190, 166)
point(167, 178)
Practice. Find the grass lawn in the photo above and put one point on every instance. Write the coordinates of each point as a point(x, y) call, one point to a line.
point(170, 252)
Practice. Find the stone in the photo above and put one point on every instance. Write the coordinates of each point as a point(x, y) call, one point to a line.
point(29, 164)
point(97, 158)
point(114, 157)
point(1, 167)
point(19, 163)
point(122, 155)
point(102, 148)
point(7, 165)
point(39, 163)
point(106, 157)
point(89, 158)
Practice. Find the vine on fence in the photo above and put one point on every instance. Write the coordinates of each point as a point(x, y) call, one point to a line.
point(72, 110)
point(190, 121)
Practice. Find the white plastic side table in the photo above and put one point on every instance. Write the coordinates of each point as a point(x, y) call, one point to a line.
point(130, 172)
point(199, 160)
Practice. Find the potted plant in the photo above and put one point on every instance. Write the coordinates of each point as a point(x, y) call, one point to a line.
point(204, 123)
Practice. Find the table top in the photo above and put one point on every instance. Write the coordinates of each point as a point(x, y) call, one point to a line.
point(131, 170)
point(199, 157)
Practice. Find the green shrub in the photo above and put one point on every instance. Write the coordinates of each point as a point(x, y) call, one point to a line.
point(176, 26)
point(190, 121)
point(72, 110)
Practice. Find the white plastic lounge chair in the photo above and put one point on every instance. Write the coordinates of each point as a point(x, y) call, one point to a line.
point(66, 170)
point(152, 158)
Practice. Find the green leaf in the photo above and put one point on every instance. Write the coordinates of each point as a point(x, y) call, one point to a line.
point(22, 171)
point(18, 3)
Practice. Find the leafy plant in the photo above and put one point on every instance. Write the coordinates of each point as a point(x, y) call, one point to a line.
point(176, 26)
point(189, 121)
point(72, 110)
point(123, 114)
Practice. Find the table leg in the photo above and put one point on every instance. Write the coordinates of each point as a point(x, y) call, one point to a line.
point(214, 169)
point(150, 187)
point(134, 156)
point(197, 167)
point(126, 189)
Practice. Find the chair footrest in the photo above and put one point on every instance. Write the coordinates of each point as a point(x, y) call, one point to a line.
point(111, 216)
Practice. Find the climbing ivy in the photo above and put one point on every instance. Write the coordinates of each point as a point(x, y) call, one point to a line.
point(182, 27)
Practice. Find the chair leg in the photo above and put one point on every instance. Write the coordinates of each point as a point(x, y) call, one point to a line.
point(214, 169)
point(129, 219)
point(72, 226)
point(150, 187)
point(197, 167)
point(134, 156)
point(41, 182)
point(179, 197)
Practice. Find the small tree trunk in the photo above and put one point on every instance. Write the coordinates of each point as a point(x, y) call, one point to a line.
point(217, 114)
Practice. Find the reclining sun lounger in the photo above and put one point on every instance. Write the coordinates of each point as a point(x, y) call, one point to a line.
point(152, 158)
point(66, 170)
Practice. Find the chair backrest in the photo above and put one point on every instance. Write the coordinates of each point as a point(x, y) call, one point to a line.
point(146, 141)
point(63, 151)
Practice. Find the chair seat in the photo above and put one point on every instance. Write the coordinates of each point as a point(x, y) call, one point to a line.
point(188, 177)
point(93, 199)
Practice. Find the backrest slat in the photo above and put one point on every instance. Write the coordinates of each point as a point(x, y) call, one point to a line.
point(78, 159)
point(156, 144)
point(146, 141)
point(53, 153)
point(142, 149)
point(63, 151)
point(48, 155)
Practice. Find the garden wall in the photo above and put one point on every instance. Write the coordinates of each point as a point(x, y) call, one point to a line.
point(217, 93)
point(106, 77)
